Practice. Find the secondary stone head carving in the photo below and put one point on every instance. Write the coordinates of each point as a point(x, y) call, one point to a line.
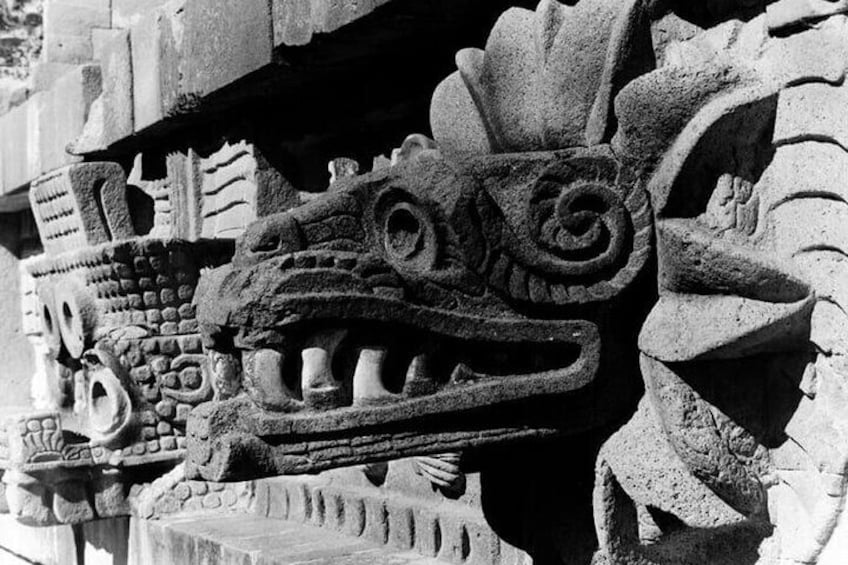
point(379, 320)
point(126, 360)
point(737, 453)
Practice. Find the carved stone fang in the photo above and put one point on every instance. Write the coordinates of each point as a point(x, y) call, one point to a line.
point(320, 388)
point(368, 386)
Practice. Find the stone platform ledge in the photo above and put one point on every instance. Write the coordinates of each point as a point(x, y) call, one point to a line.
point(254, 540)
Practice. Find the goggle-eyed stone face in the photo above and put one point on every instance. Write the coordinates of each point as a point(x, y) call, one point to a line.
point(125, 362)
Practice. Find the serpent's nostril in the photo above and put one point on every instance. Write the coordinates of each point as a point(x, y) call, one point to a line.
point(273, 235)
point(266, 244)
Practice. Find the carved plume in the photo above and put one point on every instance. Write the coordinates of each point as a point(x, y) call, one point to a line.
point(546, 79)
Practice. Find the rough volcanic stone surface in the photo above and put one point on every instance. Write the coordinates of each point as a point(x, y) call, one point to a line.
point(68, 26)
point(111, 116)
point(223, 41)
point(63, 111)
point(296, 21)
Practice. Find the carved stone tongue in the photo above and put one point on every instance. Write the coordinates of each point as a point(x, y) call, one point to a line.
point(367, 378)
point(320, 389)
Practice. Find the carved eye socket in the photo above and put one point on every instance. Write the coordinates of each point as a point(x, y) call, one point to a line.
point(403, 232)
point(409, 236)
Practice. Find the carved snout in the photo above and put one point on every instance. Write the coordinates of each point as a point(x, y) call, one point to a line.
point(331, 221)
point(268, 237)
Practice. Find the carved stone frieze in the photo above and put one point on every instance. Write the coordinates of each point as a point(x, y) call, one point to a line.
point(626, 239)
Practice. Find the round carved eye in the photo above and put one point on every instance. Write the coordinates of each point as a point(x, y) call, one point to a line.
point(409, 236)
point(75, 317)
point(50, 321)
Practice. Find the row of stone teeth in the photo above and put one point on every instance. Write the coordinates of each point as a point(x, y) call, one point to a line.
point(320, 389)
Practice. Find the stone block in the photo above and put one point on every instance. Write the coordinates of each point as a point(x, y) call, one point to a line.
point(35, 545)
point(109, 496)
point(75, 17)
point(376, 520)
point(156, 49)
point(67, 28)
point(428, 535)
point(101, 39)
point(334, 509)
point(224, 41)
point(44, 75)
point(292, 22)
point(13, 92)
point(237, 185)
point(106, 541)
point(299, 503)
point(63, 112)
point(82, 204)
point(401, 524)
point(19, 153)
point(355, 514)
point(70, 503)
point(111, 116)
point(67, 49)
point(127, 13)
point(330, 15)
point(295, 21)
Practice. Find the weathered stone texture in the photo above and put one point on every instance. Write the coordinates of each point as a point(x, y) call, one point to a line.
point(81, 205)
point(296, 21)
point(67, 29)
point(62, 113)
point(18, 357)
point(111, 116)
point(50, 546)
point(156, 42)
point(223, 42)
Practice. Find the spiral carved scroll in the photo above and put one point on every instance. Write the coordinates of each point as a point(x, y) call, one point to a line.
point(583, 234)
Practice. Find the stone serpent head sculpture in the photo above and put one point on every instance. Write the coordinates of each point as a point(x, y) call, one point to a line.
point(457, 299)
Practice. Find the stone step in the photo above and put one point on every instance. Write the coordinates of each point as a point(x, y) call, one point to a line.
point(254, 540)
